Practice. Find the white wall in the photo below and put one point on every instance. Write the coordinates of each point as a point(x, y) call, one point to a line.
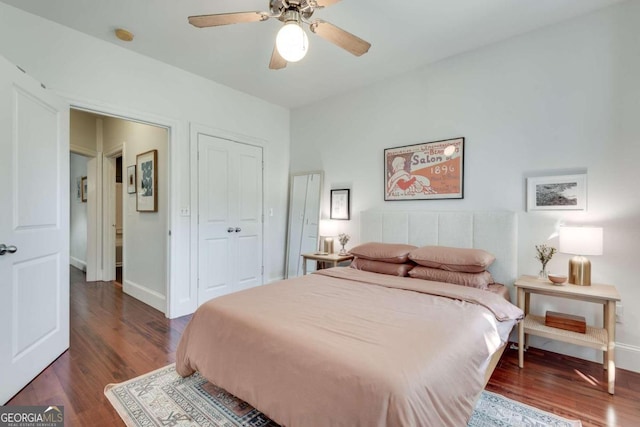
point(145, 233)
point(563, 98)
point(92, 72)
point(78, 214)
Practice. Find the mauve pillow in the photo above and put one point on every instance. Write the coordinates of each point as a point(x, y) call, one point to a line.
point(396, 253)
point(452, 259)
point(474, 280)
point(381, 267)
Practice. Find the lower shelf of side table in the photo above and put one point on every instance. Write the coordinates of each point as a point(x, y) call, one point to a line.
point(594, 337)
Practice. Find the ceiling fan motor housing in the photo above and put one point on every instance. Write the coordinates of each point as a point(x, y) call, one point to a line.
point(304, 7)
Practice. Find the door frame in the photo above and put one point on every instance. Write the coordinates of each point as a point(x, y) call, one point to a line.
point(109, 211)
point(195, 130)
point(174, 306)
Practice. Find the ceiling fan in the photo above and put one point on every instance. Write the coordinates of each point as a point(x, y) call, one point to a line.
point(292, 42)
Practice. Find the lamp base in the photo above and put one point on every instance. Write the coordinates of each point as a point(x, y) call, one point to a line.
point(328, 245)
point(580, 271)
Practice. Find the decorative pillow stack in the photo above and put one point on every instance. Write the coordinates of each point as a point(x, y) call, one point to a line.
point(466, 267)
point(383, 258)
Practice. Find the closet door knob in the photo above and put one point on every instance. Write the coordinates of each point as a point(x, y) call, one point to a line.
point(230, 230)
point(238, 229)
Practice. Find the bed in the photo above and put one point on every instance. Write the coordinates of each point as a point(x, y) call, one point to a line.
point(357, 348)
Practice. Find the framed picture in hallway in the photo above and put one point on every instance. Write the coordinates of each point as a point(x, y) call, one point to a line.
point(147, 181)
point(83, 189)
point(131, 179)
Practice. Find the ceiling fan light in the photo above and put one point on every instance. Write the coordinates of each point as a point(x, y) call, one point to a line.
point(292, 42)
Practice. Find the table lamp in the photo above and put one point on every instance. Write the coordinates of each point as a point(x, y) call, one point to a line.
point(580, 241)
point(328, 229)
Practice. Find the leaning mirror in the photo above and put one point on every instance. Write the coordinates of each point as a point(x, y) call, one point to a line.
point(305, 191)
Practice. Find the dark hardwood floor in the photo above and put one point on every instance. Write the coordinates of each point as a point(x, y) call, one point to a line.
point(115, 337)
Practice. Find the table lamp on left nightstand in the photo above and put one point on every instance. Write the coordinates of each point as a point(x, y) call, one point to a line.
point(328, 230)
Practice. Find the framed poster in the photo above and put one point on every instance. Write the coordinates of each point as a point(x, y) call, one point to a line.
point(339, 204)
point(432, 170)
point(553, 193)
point(131, 179)
point(147, 181)
point(83, 189)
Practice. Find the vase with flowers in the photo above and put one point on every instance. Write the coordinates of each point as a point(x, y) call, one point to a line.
point(343, 238)
point(544, 254)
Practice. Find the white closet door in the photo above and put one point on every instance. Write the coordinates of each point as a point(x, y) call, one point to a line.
point(229, 217)
point(248, 221)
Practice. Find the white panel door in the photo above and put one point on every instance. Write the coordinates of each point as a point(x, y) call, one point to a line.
point(248, 222)
point(34, 217)
point(229, 217)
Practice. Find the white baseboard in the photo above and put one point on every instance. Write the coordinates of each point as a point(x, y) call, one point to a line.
point(78, 263)
point(273, 280)
point(147, 296)
point(628, 357)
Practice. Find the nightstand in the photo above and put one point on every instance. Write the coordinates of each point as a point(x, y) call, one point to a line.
point(599, 338)
point(333, 259)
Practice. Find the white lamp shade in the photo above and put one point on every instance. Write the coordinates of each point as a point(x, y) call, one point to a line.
point(328, 228)
point(292, 42)
point(581, 240)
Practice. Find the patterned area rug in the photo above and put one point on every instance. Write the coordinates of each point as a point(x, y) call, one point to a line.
point(163, 398)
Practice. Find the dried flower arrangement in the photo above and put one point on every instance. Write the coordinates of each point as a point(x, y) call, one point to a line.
point(343, 238)
point(544, 254)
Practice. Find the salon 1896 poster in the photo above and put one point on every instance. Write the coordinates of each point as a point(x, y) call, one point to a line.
point(432, 170)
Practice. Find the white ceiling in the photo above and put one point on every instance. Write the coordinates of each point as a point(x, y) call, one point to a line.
point(405, 35)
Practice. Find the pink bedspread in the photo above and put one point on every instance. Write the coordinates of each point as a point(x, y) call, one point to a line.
point(345, 347)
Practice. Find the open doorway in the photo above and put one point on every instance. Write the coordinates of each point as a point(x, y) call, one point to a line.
point(78, 211)
point(125, 244)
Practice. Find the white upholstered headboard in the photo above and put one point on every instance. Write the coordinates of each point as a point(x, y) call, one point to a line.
point(495, 232)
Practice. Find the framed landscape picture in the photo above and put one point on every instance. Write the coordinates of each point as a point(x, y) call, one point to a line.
point(147, 181)
point(551, 193)
point(432, 170)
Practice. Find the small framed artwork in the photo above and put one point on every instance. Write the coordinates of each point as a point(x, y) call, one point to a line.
point(553, 193)
point(79, 188)
point(131, 179)
point(83, 189)
point(147, 181)
point(339, 204)
point(432, 170)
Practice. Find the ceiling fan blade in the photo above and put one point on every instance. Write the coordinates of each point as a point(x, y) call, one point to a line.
point(203, 21)
point(277, 62)
point(340, 37)
point(326, 3)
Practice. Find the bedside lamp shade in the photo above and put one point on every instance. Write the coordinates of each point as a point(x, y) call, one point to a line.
point(580, 241)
